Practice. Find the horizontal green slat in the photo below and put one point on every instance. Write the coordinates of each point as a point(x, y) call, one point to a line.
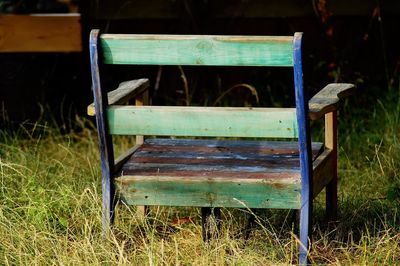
point(203, 121)
point(197, 50)
point(211, 194)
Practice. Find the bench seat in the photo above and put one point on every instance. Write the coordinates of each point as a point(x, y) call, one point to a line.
point(213, 173)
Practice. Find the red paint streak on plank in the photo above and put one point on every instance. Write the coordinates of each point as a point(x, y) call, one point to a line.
point(211, 160)
point(207, 149)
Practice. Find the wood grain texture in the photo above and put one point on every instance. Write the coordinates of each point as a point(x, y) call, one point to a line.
point(216, 146)
point(119, 162)
point(126, 91)
point(140, 100)
point(327, 99)
point(210, 193)
point(40, 33)
point(305, 151)
point(322, 167)
point(197, 50)
point(331, 188)
point(203, 121)
point(226, 173)
point(104, 138)
point(213, 146)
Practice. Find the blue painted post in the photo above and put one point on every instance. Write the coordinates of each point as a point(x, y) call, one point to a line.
point(305, 152)
point(105, 142)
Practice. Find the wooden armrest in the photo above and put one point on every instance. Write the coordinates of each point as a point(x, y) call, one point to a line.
point(327, 99)
point(126, 90)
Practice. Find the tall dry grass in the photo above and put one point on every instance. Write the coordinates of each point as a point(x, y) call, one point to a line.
point(50, 206)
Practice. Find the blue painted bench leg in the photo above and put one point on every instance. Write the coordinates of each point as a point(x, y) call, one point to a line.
point(108, 193)
point(105, 141)
point(305, 232)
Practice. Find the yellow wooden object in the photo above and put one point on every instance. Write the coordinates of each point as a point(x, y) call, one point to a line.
point(40, 33)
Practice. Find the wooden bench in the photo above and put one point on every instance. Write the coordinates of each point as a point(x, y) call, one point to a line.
point(214, 173)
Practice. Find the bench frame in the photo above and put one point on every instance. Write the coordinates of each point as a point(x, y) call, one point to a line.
point(323, 104)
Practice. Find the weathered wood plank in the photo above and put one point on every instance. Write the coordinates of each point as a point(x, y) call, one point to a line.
point(105, 140)
point(305, 152)
point(202, 169)
point(40, 33)
point(140, 100)
point(123, 158)
point(237, 155)
point(154, 177)
point(126, 91)
point(197, 50)
point(222, 173)
point(202, 121)
point(322, 168)
point(327, 99)
point(331, 188)
point(229, 155)
point(265, 163)
point(227, 143)
point(217, 146)
point(209, 192)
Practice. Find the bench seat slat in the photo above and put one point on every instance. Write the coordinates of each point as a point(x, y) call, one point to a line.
point(220, 173)
point(213, 145)
point(172, 192)
point(204, 169)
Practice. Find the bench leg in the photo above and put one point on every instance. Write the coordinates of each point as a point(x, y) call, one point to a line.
point(108, 194)
point(331, 200)
point(331, 188)
point(305, 232)
point(249, 225)
point(142, 211)
point(210, 225)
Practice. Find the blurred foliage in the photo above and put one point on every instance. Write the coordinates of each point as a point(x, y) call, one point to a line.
point(35, 6)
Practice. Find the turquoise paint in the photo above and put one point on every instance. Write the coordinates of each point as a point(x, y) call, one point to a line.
point(203, 121)
point(197, 50)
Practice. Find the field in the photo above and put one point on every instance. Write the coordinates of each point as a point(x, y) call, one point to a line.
point(51, 189)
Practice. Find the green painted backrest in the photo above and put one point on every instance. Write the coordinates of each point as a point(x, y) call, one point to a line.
point(200, 50)
point(197, 50)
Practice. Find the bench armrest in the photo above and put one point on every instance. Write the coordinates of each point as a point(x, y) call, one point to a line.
point(327, 99)
point(126, 91)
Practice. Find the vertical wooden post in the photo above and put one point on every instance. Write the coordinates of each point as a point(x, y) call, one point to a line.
point(105, 141)
point(331, 143)
point(142, 99)
point(305, 153)
point(210, 222)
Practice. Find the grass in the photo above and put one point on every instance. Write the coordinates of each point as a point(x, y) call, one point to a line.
point(50, 206)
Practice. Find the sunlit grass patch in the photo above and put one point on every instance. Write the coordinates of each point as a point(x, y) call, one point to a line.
point(50, 206)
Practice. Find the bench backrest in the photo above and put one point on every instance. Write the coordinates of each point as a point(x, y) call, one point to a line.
point(197, 50)
point(200, 50)
point(205, 121)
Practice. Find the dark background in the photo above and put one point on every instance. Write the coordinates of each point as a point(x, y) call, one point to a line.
point(344, 41)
